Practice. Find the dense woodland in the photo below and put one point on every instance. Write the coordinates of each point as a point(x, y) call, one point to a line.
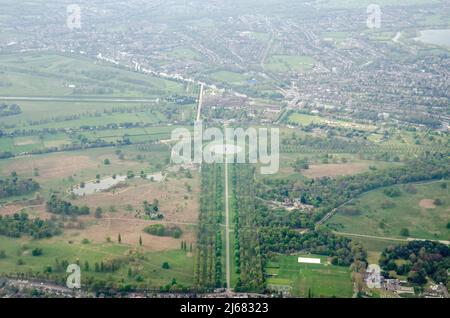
point(14, 186)
point(417, 260)
point(20, 224)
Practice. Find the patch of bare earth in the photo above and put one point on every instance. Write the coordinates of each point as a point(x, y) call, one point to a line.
point(334, 170)
point(171, 196)
point(24, 142)
point(10, 209)
point(172, 203)
point(53, 166)
point(427, 204)
point(130, 230)
point(32, 211)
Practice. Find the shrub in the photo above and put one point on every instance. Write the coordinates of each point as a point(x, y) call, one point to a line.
point(165, 265)
point(404, 232)
point(37, 251)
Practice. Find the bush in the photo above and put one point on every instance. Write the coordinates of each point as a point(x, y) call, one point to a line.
point(404, 232)
point(165, 265)
point(37, 251)
point(392, 192)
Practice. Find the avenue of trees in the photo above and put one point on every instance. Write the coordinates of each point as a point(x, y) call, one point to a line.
point(208, 258)
point(248, 258)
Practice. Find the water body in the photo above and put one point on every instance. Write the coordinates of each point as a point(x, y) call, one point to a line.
point(436, 37)
point(93, 187)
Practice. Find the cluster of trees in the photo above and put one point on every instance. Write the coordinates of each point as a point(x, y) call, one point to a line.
point(248, 260)
point(423, 120)
point(59, 206)
point(9, 109)
point(300, 164)
point(285, 240)
point(15, 186)
point(333, 143)
point(152, 210)
point(208, 268)
point(20, 224)
point(181, 100)
point(161, 230)
point(419, 260)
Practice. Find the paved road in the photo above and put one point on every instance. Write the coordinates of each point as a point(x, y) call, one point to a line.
point(200, 102)
point(408, 239)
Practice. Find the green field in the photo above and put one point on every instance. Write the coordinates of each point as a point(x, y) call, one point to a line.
point(304, 119)
point(317, 280)
point(380, 215)
point(287, 63)
point(229, 77)
point(36, 74)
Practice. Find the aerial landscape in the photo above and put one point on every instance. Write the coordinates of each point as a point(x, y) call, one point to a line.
point(225, 149)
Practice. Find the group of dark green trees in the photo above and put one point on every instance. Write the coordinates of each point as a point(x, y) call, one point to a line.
point(9, 109)
point(418, 259)
point(59, 206)
point(14, 186)
point(161, 230)
point(20, 224)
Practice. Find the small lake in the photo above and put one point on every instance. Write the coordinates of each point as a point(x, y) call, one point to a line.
point(436, 37)
point(93, 186)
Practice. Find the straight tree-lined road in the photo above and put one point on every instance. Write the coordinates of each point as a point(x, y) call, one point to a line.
point(200, 102)
point(227, 229)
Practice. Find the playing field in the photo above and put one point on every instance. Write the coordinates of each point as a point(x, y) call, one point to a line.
point(288, 63)
point(303, 280)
